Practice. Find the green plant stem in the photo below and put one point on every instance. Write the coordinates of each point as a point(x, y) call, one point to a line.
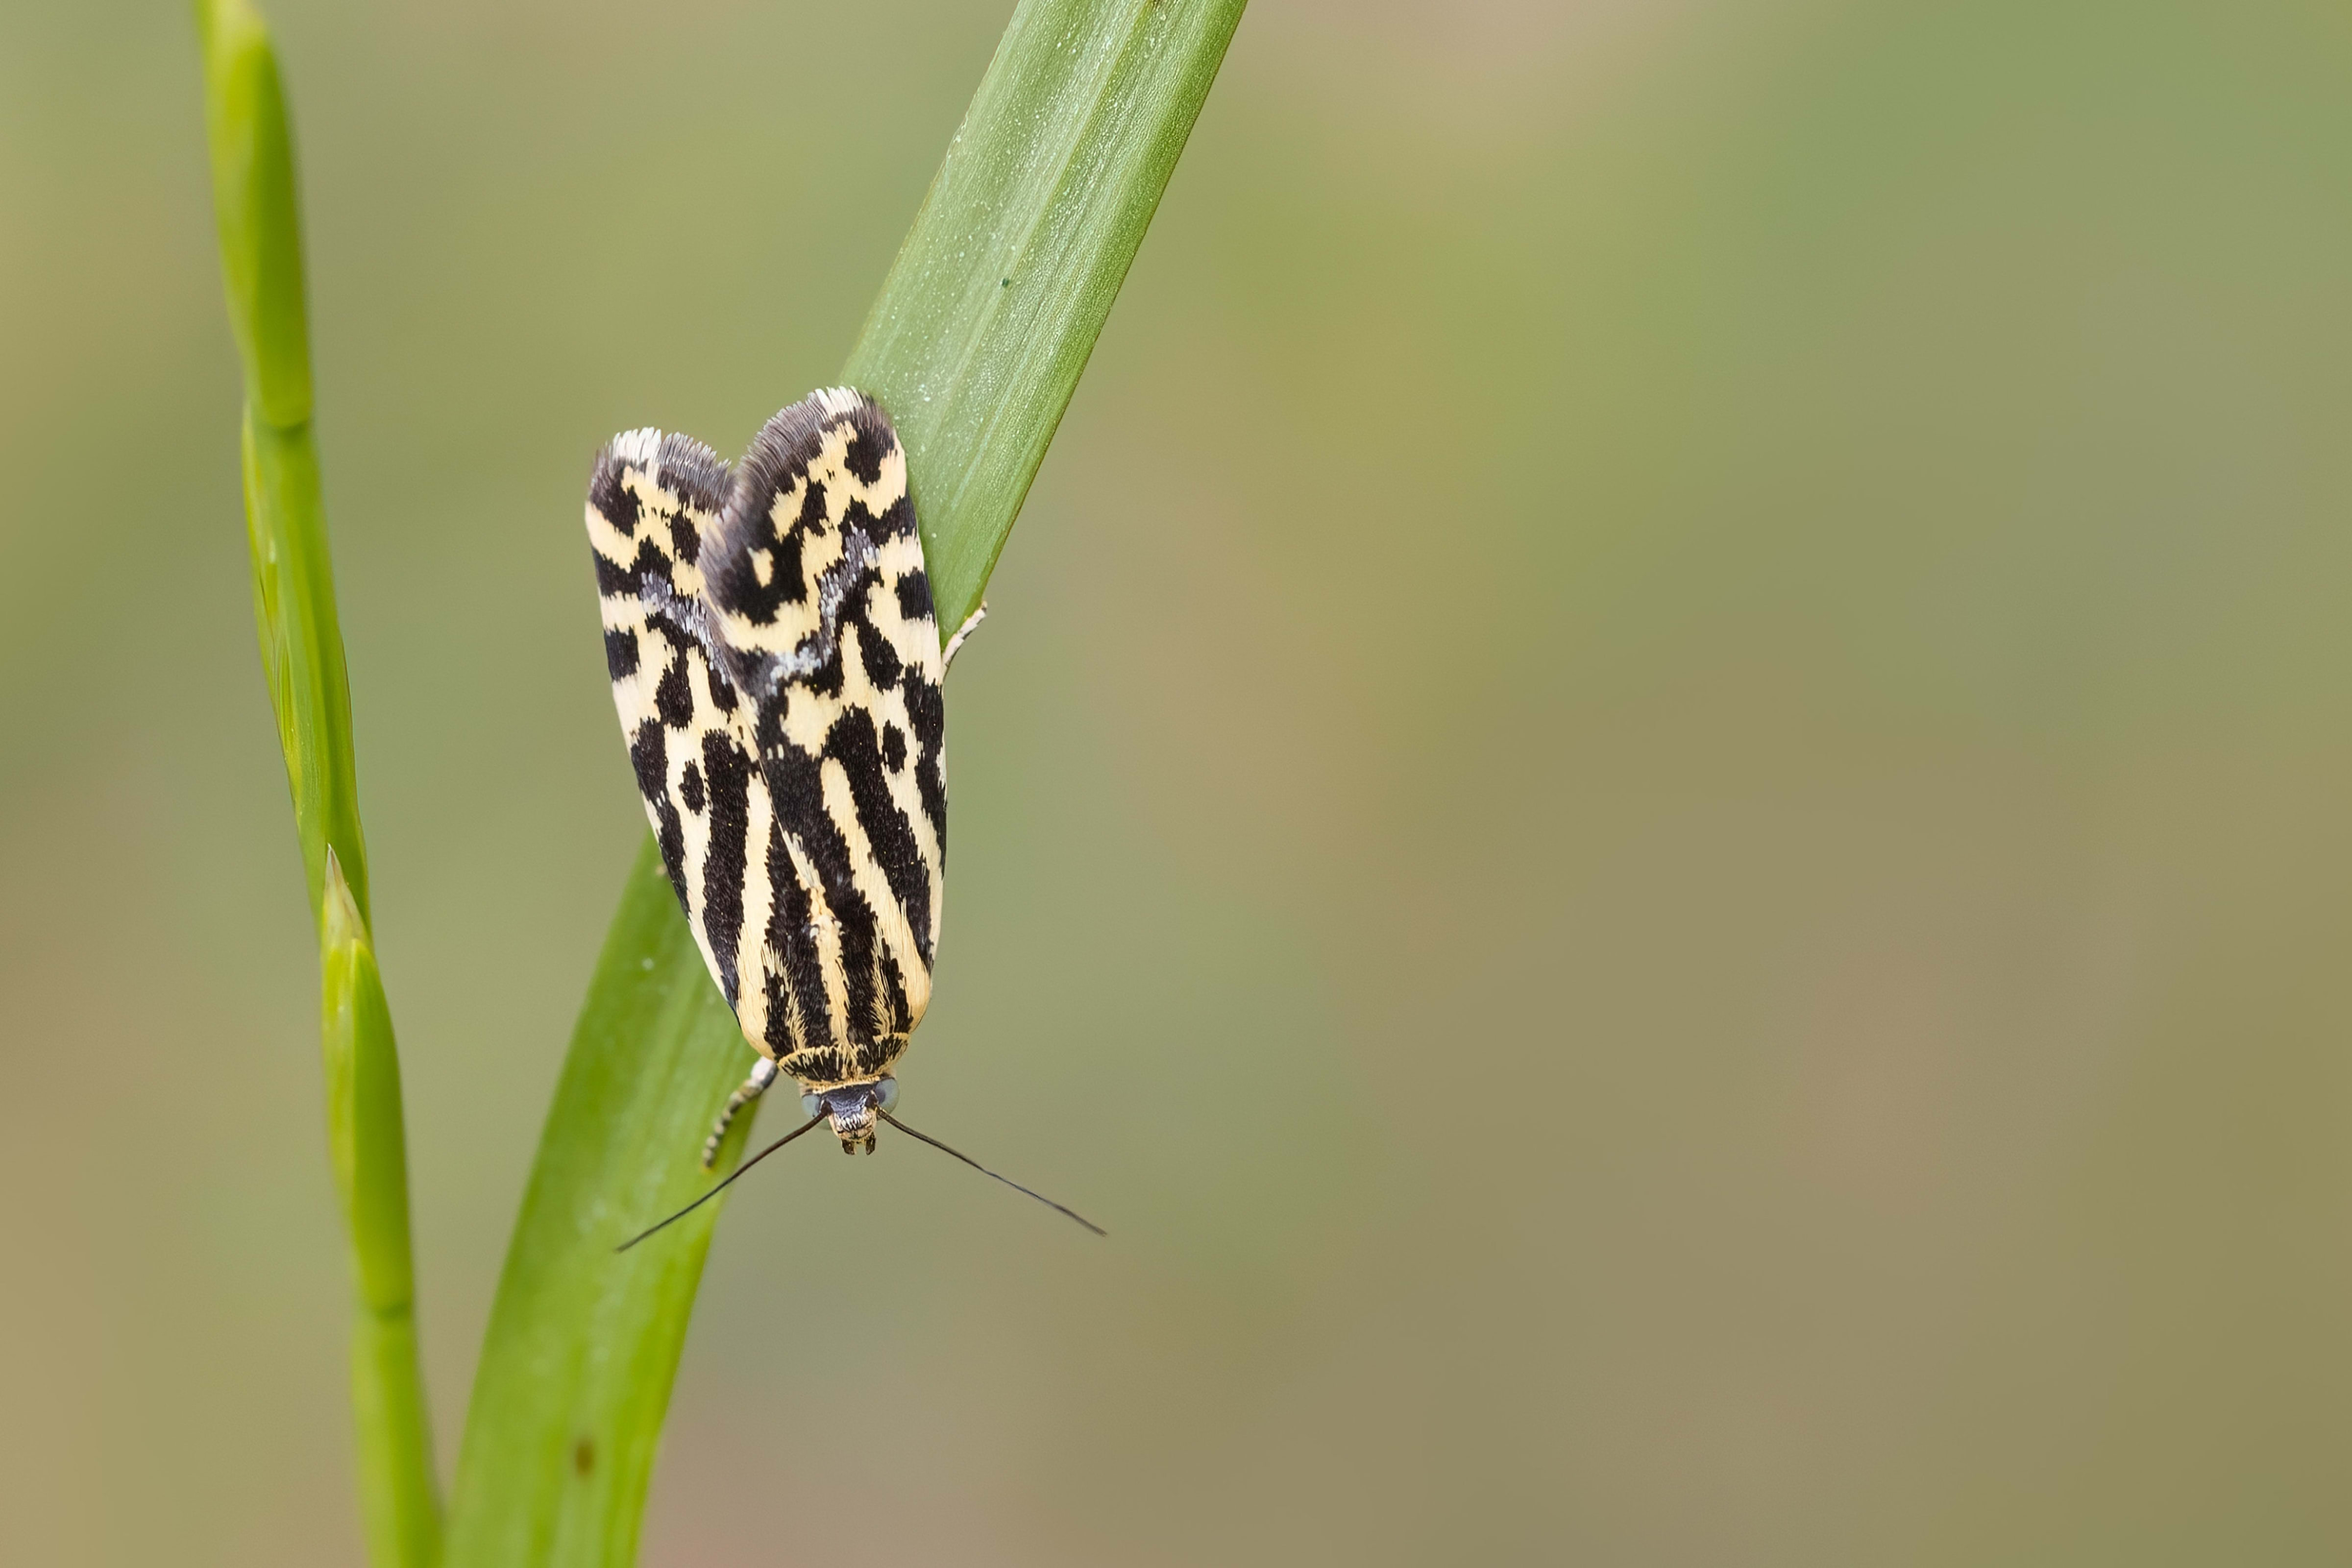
point(253, 206)
point(974, 346)
point(302, 650)
point(252, 149)
point(399, 1496)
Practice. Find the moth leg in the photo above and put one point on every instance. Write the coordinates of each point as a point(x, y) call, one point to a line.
point(972, 624)
point(763, 1072)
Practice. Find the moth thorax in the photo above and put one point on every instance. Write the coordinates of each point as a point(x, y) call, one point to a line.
point(853, 1109)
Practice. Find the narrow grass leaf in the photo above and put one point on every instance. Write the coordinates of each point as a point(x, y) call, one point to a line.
point(583, 1343)
point(399, 1496)
point(252, 151)
point(303, 651)
point(980, 332)
point(254, 207)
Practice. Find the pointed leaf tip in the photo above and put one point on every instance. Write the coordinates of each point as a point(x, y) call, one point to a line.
point(340, 923)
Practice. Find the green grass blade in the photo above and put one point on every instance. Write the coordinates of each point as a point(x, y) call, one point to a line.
point(293, 578)
point(302, 656)
point(1046, 192)
point(302, 650)
point(400, 1498)
point(981, 331)
point(584, 1343)
point(254, 205)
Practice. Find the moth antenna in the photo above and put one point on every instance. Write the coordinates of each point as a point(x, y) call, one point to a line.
point(746, 1165)
point(982, 1169)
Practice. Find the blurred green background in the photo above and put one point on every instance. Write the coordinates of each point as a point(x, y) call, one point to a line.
point(1657, 806)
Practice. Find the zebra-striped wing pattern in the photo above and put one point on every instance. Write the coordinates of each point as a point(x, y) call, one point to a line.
point(777, 670)
point(649, 502)
point(821, 616)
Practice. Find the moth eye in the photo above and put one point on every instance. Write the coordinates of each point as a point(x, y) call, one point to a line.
point(810, 1105)
point(887, 1093)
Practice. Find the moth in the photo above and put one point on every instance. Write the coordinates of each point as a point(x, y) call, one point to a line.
point(777, 668)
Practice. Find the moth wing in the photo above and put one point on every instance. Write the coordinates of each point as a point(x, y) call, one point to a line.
point(820, 614)
point(651, 500)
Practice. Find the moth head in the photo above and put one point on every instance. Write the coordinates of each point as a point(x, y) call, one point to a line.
point(853, 1109)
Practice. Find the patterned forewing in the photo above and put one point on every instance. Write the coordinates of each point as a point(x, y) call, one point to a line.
point(820, 616)
point(650, 502)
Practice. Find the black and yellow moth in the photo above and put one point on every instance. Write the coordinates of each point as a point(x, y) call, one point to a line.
point(777, 673)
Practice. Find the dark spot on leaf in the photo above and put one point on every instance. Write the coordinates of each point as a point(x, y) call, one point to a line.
point(583, 1455)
